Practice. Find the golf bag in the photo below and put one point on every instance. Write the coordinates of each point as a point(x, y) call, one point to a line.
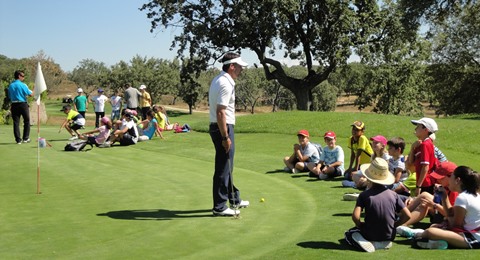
point(77, 146)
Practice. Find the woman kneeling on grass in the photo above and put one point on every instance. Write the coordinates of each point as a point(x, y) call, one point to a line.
point(464, 226)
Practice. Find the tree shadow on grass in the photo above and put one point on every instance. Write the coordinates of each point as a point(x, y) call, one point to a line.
point(157, 214)
point(176, 113)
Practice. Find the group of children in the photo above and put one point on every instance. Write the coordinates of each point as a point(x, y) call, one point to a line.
point(398, 190)
point(127, 130)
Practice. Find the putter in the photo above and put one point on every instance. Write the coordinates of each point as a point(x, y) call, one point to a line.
point(235, 216)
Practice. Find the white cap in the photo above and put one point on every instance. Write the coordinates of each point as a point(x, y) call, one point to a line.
point(429, 123)
point(142, 87)
point(79, 90)
point(238, 60)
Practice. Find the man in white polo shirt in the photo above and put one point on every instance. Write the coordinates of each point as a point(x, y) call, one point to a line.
point(222, 121)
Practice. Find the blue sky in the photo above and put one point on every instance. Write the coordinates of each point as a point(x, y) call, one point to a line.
point(72, 30)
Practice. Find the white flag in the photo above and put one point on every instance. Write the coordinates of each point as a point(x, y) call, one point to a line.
point(40, 85)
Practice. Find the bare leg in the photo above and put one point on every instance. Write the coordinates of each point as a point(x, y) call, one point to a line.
point(418, 209)
point(452, 238)
point(289, 161)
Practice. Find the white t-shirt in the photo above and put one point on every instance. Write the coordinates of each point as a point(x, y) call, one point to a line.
point(100, 103)
point(116, 101)
point(132, 129)
point(222, 92)
point(311, 151)
point(393, 165)
point(472, 205)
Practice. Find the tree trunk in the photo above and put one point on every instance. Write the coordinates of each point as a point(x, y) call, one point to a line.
point(303, 96)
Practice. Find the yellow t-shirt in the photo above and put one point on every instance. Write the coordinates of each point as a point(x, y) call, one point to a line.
point(160, 119)
point(364, 145)
point(145, 100)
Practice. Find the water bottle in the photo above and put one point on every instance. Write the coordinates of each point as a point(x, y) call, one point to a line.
point(437, 197)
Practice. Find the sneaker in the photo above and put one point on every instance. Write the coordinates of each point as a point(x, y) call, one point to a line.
point(73, 138)
point(226, 212)
point(350, 196)
point(433, 244)
point(347, 183)
point(363, 243)
point(26, 140)
point(105, 145)
point(294, 170)
point(382, 244)
point(407, 232)
point(322, 176)
point(243, 204)
point(19, 142)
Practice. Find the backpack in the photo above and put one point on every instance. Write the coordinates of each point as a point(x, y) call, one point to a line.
point(77, 146)
point(319, 148)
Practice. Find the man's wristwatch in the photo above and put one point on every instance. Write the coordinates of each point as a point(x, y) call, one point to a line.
point(224, 138)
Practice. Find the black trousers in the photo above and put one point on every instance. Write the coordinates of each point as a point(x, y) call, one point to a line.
point(98, 117)
point(21, 110)
point(144, 112)
point(223, 188)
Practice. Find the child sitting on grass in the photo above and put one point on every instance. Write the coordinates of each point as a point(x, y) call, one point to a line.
point(149, 127)
point(360, 151)
point(396, 165)
point(379, 144)
point(303, 153)
point(381, 206)
point(103, 133)
point(331, 160)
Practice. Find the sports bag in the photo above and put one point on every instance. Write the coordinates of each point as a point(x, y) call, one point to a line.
point(77, 146)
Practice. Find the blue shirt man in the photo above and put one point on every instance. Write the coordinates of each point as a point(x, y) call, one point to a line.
point(17, 93)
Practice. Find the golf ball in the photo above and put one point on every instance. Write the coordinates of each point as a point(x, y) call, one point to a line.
point(262, 200)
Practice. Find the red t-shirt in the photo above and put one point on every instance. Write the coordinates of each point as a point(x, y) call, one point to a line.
point(425, 154)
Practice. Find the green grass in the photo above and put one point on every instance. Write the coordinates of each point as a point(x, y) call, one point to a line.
point(153, 200)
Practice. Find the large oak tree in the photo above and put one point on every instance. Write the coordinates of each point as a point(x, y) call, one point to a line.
point(319, 34)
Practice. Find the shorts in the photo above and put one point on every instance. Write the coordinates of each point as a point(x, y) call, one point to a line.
point(75, 126)
point(127, 140)
point(473, 240)
point(337, 172)
point(92, 140)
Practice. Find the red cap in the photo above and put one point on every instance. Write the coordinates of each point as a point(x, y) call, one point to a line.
point(444, 169)
point(380, 139)
point(330, 134)
point(304, 133)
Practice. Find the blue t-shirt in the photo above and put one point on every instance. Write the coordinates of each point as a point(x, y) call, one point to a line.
point(18, 91)
point(150, 130)
point(332, 156)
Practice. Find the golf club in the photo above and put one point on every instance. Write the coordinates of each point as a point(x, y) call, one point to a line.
point(235, 216)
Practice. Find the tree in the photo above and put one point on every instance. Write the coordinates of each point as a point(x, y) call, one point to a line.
point(306, 30)
point(250, 88)
point(90, 74)
point(455, 74)
point(189, 86)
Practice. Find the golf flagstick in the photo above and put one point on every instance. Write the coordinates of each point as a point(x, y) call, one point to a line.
point(38, 149)
point(39, 87)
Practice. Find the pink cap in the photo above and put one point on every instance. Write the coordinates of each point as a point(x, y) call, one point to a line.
point(105, 120)
point(380, 139)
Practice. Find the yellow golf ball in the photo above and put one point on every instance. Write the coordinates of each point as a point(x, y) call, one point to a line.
point(262, 200)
